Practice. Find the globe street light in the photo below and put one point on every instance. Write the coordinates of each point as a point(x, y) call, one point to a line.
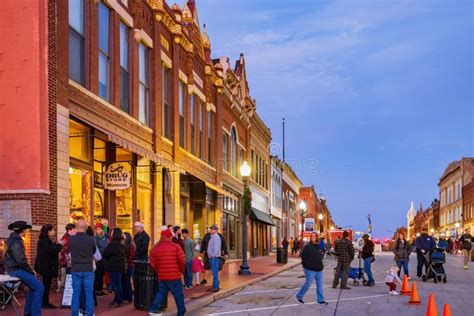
point(245, 171)
point(457, 229)
point(320, 216)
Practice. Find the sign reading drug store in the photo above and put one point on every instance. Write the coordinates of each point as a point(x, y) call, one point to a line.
point(117, 176)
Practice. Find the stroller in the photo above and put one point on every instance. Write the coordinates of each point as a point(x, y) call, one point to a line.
point(435, 268)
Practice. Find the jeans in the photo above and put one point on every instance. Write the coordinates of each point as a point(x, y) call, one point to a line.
point(127, 285)
point(188, 273)
point(116, 279)
point(368, 269)
point(176, 288)
point(467, 256)
point(82, 281)
point(215, 271)
point(342, 272)
point(35, 293)
point(421, 262)
point(403, 264)
point(310, 277)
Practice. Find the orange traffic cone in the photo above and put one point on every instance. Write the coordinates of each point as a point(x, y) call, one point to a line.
point(415, 299)
point(431, 310)
point(405, 287)
point(446, 310)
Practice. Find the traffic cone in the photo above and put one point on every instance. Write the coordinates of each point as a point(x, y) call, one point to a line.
point(431, 310)
point(446, 310)
point(415, 299)
point(405, 287)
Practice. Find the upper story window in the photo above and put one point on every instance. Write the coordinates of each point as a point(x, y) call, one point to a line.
point(450, 194)
point(225, 153)
point(202, 110)
point(233, 151)
point(143, 84)
point(458, 190)
point(104, 56)
point(210, 137)
point(124, 70)
point(192, 118)
point(182, 122)
point(166, 93)
point(76, 41)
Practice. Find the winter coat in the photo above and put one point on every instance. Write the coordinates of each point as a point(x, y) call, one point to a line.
point(142, 241)
point(101, 242)
point(312, 258)
point(64, 252)
point(402, 251)
point(15, 258)
point(198, 265)
point(466, 241)
point(47, 257)
point(424, 242)
point(167, 260)
point(285, 243)
point(130, 253)
point(344, 250)
point(367, 249)
point(205, 243)
point(115, 257)
point(178, 240)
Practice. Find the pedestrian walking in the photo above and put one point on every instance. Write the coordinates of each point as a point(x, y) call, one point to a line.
point(83, 248)
point(101, 240)
point(214, 248)
point(466, 246)
point(402, 252)
point(322, 246)
point(450, 245)
point(367, 254)
point(116, 264)
point(300, 245)
point(391, 278)
point(344, 255)
point(328, 247)
point(127, 276)
point(142, 242)
point(424, 246)
point(189, 254)
point(168, 261)
point(198, 267)
point(292, 245)
point(285, 244)
point(295, 246)
point(16, 265)
point(65, 256)
point(47, 259)
point(312, 260)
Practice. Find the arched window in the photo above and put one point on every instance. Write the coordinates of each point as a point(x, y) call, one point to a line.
point(233, 151)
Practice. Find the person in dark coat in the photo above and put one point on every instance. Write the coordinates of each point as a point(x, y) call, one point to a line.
point(47, 260)
point(367, 253)
point(142, 241)
point(177, 238)
point(402, 254)
point(424, 246)
point(127, 277)
point(116, 264)
point(312, 260)
point(16, 265)
point(285, 244)
point(344, 251)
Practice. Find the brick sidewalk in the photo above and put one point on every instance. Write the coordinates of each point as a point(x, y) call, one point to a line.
point(230, 282)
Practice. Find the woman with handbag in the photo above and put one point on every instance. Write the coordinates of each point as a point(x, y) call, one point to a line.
point(47, 259)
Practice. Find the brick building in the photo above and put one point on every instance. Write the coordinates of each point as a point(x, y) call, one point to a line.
point(291, 185)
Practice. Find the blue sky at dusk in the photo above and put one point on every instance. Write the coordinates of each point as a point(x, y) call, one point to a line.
point(377, 95)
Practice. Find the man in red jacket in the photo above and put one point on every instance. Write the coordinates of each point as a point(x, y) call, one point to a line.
point(168, 261)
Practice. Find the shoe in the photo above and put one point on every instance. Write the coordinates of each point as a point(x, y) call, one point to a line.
point(371, 284)
point(418, 278)
point(197, 284)
point(187, 287)
point(465, 267)
point(215, 290)
point(204, 281)
point(334, 286)
point(324, 303)
point(345, 288)
point(155, 313)
point(389, 292)
point(408, 278)
point(395, 293)
point(298, 300)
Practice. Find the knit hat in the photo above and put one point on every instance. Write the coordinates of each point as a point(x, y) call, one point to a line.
point(99, 225)
point(166, 233)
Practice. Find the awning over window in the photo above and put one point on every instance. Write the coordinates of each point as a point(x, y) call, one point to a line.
point(260, 216)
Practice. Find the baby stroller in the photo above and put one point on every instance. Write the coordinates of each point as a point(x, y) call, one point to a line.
point(357, 274)
point(435, 269)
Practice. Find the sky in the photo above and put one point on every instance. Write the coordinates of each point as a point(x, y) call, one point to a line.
point(377, 95)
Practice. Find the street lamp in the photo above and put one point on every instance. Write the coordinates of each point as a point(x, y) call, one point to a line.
point(320, 217)
point(245, 171)
point(457, 229)
point(302, 208)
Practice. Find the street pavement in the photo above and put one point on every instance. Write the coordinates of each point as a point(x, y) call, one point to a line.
point(275, 296)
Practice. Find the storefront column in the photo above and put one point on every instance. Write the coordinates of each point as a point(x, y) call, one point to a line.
point(111, 213)
point(157, 178)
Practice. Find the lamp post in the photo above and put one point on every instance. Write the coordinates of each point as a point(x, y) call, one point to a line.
point(457, 229)
point(302, 209)
point(245, 173)
point(320, 217)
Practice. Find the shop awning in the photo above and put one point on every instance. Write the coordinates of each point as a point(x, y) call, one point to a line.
point(260, 216)
point(219, 190)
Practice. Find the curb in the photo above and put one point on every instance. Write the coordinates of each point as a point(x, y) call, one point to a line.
point(199, 303)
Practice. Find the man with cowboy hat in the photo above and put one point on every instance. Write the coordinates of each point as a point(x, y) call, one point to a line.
point(16, 265)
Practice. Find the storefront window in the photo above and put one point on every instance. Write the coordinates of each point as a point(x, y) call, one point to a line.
point(183, 209)
point(231, 232)
point(80, 194)
point(144, 193)
point(79, 141)
point(225, 232)
point(124, 198)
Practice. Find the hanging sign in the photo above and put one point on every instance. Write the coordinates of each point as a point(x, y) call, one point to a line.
point(117, 177)
point(309, 224)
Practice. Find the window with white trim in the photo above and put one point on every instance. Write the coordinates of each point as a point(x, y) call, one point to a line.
point(104, 53)
point(76, 41)
point(143, 84)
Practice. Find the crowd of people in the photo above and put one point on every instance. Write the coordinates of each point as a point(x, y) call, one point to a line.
point(102, 260)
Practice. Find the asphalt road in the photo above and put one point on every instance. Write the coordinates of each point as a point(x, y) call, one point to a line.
point(274, 296)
